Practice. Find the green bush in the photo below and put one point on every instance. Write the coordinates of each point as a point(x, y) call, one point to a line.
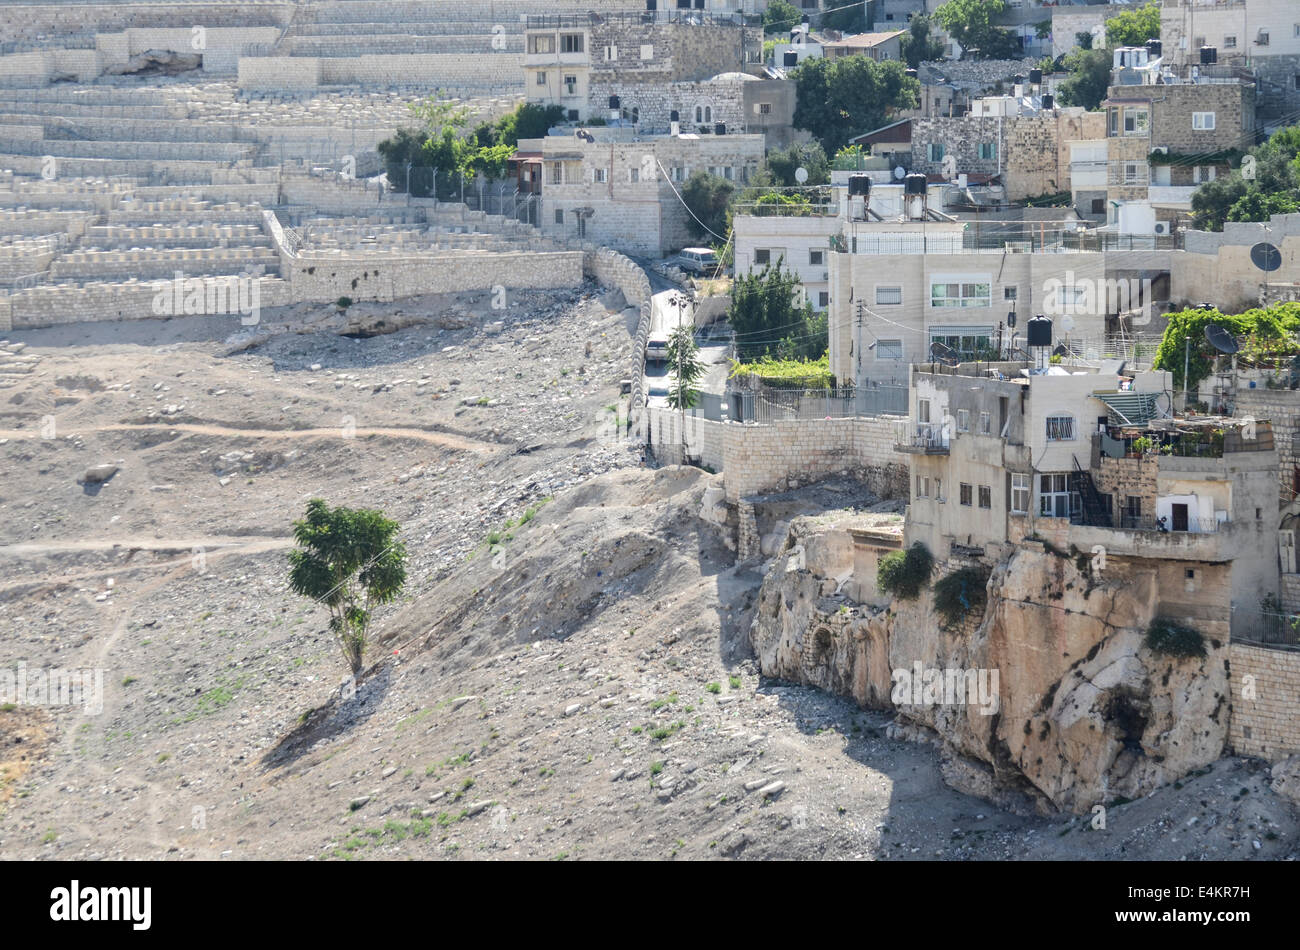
point(904, 573)
point(343, 303)
point(1165, 636)
point(961, 592)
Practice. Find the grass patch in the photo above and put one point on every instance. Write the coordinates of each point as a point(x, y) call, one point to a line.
point(733, 682)
point(714, 687)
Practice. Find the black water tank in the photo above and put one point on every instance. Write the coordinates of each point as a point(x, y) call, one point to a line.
point(720, 128)
point(859, 185)
point(1040, 330)
point(914, 185)
point(1155, 48)
point(1048, 100)
point(1209, 55)
point(790, 59)
point(1036, 77)
point(911, 73)
point(674, 116)
point(651, 5)
point(613, 103)
point(1018, 79)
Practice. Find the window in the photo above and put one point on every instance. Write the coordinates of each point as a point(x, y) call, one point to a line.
point(986, 424)
point(647, 51)
point(573, 115)
point(1204, 173)
point(968, 341)
point(634, 174)
point(1112, 126)
point(922, 486)
point(1229, 42)
point(936, 152)
point(1198, 42)
point(541, 78)
point(1135, 173)
point(559, 215)
point(611, 53)
point(889, 349)
point(1019, 494)
point(765, 108)
point(571, 85)
point(823, 298)
point(988, 151)
point(1099, 204)
point(889, 296)
point(557, 173)
point(923, 411)
point(762, 256)
point(960, 295)
point(938, 490)
point(571, 43)
point(1262, 39)
point(1297, 80)
point(1060, 428)
point(1054, 496)
point(541, 44)
point(1132, 511)
point(963, 420)
point(986, 496)
point(1203, 121)
point(1008, 293)
point(677, 173)
point(966, 495)
point(816, 258)
point(1136, 121)
point(600, 175)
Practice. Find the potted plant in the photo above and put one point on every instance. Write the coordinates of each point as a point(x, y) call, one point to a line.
point(1143, 445)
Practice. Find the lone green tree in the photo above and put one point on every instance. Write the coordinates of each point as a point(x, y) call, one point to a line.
point(348, 560)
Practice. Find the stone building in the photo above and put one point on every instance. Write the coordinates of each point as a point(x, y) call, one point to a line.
point(576, 61)
point(1022, 142)
point(1165, 137)
point(1083, 457)
point(612, 186)
point(878, 46)
point(1262, 36)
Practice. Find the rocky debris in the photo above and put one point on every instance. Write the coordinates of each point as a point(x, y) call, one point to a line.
point(98, 474)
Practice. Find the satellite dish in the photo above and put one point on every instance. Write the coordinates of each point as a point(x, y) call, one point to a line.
point(1220, 339)
point(900, 172)
point(1061, 350)
point(1266, 257)
point(943, 353)
point(801, 174)
point(1067, 323)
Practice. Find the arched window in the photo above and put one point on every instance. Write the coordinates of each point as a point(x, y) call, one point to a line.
point(699, 114)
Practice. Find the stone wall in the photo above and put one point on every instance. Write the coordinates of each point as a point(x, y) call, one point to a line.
point(767, 458)
point(454, 71)
point(1265, 725)
point(1121, 478)
point(1281, 407)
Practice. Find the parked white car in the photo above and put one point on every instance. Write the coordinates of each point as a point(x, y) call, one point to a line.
point(696, 260)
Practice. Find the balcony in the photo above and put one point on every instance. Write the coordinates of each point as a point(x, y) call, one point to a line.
point(922, 438)
point(1205, 540)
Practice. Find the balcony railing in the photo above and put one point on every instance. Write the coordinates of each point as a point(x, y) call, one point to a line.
point(1125, 522)
point(922, 436)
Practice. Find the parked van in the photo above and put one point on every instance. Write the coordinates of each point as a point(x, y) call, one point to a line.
point(656, 349)
point(696, 260)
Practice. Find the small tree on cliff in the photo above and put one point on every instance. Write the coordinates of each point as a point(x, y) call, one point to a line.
point(349, 561)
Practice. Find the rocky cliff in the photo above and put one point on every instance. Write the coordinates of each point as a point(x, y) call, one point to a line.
point(1053, 702)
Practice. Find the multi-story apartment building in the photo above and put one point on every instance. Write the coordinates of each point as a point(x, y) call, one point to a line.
point(577, 61)
point(613, 186)
point(1260, 35)
point(1091, 459)
point(1168, 132)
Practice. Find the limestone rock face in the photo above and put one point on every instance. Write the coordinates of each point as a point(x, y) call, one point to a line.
point(1286, 779)
point(1081, 711)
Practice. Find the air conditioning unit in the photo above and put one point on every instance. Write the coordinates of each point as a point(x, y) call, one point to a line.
point(1162, 227)
point(1160, 150)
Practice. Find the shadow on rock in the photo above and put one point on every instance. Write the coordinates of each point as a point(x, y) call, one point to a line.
point(335, 717)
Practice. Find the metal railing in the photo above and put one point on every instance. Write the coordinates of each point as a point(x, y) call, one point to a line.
point(789, 405)
point(1265, 628)
point(1162, 525)
point(922, 435)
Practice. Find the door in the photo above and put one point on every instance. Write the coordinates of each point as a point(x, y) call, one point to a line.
point(1180, 517)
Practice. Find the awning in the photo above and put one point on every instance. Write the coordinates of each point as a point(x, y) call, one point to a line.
point(1129, 409)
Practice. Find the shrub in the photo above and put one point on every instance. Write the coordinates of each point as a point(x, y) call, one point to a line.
point(961, 592)
point(343, 303)
point(1165, 636)
point(904, 573)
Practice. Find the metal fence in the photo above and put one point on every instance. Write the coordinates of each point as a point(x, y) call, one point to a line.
point(1266, 628)
point(784, 405)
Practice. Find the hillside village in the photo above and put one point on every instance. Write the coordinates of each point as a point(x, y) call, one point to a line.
point(811, 428)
